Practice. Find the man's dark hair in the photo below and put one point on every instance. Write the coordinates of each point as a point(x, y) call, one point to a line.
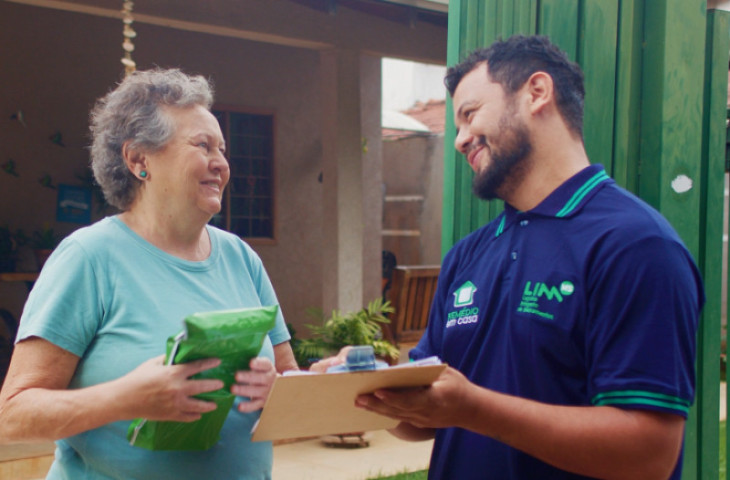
point(511, 62)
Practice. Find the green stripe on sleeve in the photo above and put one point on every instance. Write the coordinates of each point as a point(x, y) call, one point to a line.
point(639, 397)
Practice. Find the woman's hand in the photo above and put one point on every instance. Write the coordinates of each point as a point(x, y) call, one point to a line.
point(254, 384)
point(166, 392)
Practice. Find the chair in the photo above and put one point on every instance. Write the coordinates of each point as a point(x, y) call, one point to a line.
point(389, 264)
point(411, 295)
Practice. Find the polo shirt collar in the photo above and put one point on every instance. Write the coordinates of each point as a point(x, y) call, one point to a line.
point(566, 200)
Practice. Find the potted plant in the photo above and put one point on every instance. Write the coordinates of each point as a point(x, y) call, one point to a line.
point(362, 327)
point(329, 335)
point(9, 243)
point(43, 241)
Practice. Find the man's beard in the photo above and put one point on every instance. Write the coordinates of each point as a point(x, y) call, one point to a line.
point(508, 163)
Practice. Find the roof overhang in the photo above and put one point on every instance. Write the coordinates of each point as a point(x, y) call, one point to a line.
point(433, 5)
point(408, 29)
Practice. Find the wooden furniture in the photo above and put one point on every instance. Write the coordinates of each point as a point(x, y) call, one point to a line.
point(18, 276)
point(411, 296)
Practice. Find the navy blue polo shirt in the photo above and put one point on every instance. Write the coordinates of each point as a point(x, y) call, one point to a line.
point(590, 298)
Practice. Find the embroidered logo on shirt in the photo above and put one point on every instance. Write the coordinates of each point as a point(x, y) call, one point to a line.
point(532, 294)
point(463, 297)
point(465, 316)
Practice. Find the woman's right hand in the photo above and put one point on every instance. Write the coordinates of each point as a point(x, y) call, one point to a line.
point(165, 392)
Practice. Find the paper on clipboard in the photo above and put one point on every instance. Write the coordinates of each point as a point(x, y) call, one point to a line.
point(324, 404)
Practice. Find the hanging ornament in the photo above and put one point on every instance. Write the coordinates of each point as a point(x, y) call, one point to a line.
point(47, 181)
point(19, 116)
point(128, 33)
point(57, 138)
point(9, 168)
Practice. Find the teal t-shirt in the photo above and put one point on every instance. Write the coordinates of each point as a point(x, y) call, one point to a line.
point(113, 299)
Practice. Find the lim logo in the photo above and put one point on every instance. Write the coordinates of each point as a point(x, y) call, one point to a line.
point(532, 294)
point(541, 290)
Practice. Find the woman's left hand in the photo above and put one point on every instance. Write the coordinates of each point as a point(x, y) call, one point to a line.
point(254, 384)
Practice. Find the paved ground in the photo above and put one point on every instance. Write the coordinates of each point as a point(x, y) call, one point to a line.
point(386, 455)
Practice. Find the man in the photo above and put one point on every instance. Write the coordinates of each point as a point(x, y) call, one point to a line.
point(569, 321)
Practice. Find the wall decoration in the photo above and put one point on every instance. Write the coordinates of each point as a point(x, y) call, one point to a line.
point(20, 117)
point(57, 138)
point(128, 33)
point(9, 168)
point(47, 181)
point(73, 204)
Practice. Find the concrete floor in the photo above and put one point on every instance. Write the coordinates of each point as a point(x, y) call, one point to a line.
point(386, 455)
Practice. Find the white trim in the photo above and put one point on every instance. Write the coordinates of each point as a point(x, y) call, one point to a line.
point(400, 233)
point(404, 198)
point(433, 5)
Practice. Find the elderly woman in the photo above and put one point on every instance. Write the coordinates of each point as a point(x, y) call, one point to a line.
point(87, 355)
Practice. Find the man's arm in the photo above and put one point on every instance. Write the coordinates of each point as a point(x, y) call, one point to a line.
point(600, 442)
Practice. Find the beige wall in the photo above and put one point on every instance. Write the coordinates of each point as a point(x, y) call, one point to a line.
point(413, 174)
point(55, 64)
point(60, 62)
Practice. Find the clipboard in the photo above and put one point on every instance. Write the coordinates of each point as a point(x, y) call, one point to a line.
point(324, 404)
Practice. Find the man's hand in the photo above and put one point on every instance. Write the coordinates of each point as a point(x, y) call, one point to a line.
point(440, 405)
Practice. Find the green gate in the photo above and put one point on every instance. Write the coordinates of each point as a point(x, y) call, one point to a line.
point(656, 89)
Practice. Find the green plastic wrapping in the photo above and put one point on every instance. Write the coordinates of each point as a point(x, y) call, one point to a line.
point(234, 336)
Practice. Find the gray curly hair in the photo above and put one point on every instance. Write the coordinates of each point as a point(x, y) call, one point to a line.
point(133, 112)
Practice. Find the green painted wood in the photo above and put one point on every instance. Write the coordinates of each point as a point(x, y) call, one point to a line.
point(469, 21)
point(474, 24)
point(558, 19)
point(671, 119)
point(626, 148)
point(662, 98)
point(449, 207)
point(492, 27)
point(673, 75)
point(711, 227)
point(597, 53)
point(525, 17)
point(672, 79)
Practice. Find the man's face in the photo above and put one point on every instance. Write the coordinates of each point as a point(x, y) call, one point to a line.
point(491, 134)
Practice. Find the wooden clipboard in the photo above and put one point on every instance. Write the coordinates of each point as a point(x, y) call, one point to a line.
point(324, 404)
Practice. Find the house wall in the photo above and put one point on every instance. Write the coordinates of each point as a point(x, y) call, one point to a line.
point(413, 179)
point(55, 64)
point(260, 55)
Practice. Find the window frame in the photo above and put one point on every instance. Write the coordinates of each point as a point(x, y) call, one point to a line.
point(233, 109)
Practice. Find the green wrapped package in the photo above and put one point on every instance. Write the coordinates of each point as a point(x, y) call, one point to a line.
point(233, 336)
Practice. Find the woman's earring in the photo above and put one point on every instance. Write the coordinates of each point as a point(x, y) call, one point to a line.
point(143, 174)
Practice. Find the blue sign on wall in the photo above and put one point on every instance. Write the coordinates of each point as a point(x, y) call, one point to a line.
point(73, 204)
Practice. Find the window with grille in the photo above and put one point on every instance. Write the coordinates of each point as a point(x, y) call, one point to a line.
point(248, 206)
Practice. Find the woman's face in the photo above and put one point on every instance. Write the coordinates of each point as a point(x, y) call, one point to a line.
point(190, 173)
